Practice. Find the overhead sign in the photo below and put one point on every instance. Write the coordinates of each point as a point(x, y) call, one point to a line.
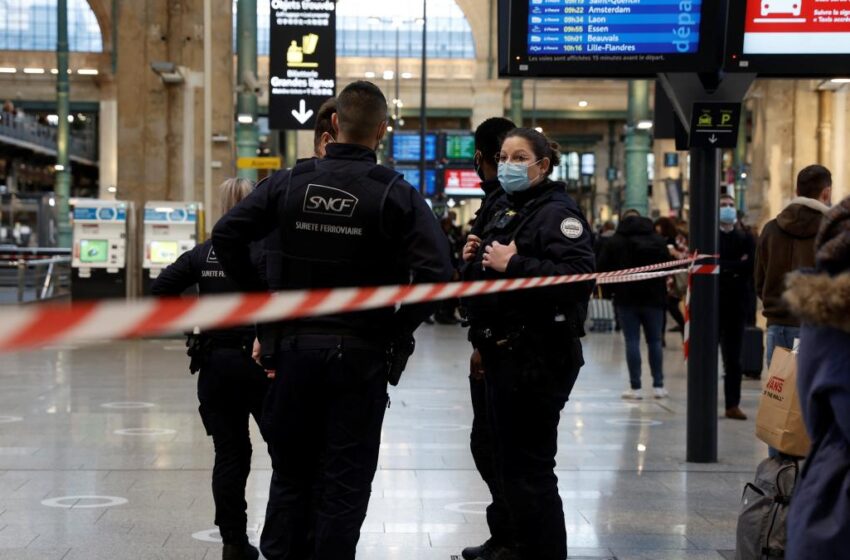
point(715, 125)
point(608, 37)
point(463, 182)
point(302, 61)
point(790, 37)
point(258, 163)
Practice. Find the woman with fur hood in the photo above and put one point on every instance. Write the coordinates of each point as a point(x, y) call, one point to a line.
point(819, 521)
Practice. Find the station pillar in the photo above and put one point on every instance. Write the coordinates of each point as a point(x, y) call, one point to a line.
point(638, 145)
point(247, 133)
point(63, 140)
point(516, 102)
point(740, 165)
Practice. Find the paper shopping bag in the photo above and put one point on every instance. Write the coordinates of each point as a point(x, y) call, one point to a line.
point(779, 422)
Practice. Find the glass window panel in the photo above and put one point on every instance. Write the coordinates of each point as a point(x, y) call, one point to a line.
point(31, 25)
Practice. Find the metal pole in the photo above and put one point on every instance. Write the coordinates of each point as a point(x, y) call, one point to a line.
point(516, 101)
point(637, 148)
point(423, 115)
point(208, 114)
point(534, 104)
point(63, 162)
point(247, 134)
point(704, 333)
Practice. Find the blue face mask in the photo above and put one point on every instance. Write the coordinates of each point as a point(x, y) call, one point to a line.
point(514, 177)
point(728, 215)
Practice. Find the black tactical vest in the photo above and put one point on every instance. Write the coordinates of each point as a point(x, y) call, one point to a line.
point(332, 231)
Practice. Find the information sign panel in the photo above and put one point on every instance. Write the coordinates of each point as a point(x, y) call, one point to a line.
point(412, 176)
point(609, 37)
point(462, 182)
point(789, 37)
point(715, 125)
point(407, 147)
point(460, 147)
point(302, 61)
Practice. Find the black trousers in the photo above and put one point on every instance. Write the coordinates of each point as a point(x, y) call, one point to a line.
point(527, 387)
point(483, 453)
point(323, 421)
point(231, 389)
point(732, 321)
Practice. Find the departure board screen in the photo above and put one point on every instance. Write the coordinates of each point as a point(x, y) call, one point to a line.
point(609, 37)
point(460, 147)
point(789, 37)
point(407, 147)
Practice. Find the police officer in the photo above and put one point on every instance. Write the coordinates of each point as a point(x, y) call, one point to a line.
point(488, 143)
point(529, 340)
point(344, 221)
point(231, 387)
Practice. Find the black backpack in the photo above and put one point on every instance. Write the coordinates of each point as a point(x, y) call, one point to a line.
point(762, 533)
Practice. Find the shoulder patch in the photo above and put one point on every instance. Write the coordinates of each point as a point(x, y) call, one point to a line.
point(572, 228)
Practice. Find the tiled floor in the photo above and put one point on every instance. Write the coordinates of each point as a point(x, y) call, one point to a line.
point(627, 490)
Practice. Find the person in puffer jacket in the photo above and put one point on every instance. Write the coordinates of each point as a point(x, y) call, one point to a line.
point(819, 520)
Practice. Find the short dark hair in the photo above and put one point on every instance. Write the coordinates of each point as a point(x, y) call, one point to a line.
point(360, 108)
point(489, 137)
point(324, 123)
point(540, 145)
point(813, 180)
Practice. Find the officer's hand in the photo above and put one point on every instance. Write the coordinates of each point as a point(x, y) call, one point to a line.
point(256, 352)
point(271, 374)
point(497, 256)
point(476, 366)
point(473, 242)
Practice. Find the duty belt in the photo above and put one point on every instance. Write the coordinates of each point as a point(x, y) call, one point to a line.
point(328, 341)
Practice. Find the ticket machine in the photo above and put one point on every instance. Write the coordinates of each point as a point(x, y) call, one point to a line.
point(171, 229)
point(100, 246)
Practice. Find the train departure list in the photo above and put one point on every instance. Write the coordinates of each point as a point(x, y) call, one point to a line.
point(562, 30)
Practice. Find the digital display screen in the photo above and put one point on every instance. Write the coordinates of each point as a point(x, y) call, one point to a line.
point(588, 164)
point(460, 147)
point(163, 252)
point(797, 27)
point(412, 174)
point(463, 182)
point(407, 147)
point(608, 37)
point(94, 251)
point(777, 38)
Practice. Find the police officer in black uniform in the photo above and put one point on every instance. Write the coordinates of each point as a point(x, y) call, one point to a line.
point(529, 340)
point(488, 143)
point(344, 221)
point(231, 387)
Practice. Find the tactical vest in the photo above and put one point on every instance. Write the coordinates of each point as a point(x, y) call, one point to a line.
point(332, 231)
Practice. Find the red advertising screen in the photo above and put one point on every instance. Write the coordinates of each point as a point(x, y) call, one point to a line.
point(797, 27)
point(463, 182)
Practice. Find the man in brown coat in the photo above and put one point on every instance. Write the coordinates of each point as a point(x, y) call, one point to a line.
point(787, 243)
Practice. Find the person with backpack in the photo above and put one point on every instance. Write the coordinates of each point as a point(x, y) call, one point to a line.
point(639, 304)
point(819, 517)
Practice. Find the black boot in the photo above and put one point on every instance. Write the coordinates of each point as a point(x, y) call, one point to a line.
point(243, 551)
point(486, 551)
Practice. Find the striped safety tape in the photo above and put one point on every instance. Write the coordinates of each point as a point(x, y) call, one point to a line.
point(694, 270)
point(30, 327)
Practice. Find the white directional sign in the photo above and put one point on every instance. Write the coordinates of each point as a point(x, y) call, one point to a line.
point(302, 61)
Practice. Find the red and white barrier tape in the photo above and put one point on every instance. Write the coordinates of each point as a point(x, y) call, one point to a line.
point(30, 327)
point(695, 270)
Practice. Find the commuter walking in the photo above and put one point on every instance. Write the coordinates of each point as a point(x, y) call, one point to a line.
point(819, 520)
point(231, 387)
point(736, 268)
point(529, 342)
point(639, 304)
point(343, 221)
point(488, 143)
point(787, 244)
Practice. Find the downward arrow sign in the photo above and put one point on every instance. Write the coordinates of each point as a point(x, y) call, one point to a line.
point(713, 138)
point(302, 115)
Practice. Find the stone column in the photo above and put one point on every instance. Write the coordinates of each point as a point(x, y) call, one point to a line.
point(637, 148)
point(488, 101)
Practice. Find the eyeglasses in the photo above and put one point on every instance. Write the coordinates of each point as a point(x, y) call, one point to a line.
point(520, 159)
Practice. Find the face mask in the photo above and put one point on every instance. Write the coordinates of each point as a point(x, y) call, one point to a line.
point(480, 172)
point(514, 177)
point(728, 215)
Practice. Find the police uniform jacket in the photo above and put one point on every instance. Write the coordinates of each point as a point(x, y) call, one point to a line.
point(494, 200)
point(201, 266)
point(343, 221)
point(552, 239)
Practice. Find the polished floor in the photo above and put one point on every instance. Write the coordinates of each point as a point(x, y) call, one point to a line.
point(102, 455)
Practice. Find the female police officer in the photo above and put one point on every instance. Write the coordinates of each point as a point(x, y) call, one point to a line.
point(231, 387)
point(529, 340)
